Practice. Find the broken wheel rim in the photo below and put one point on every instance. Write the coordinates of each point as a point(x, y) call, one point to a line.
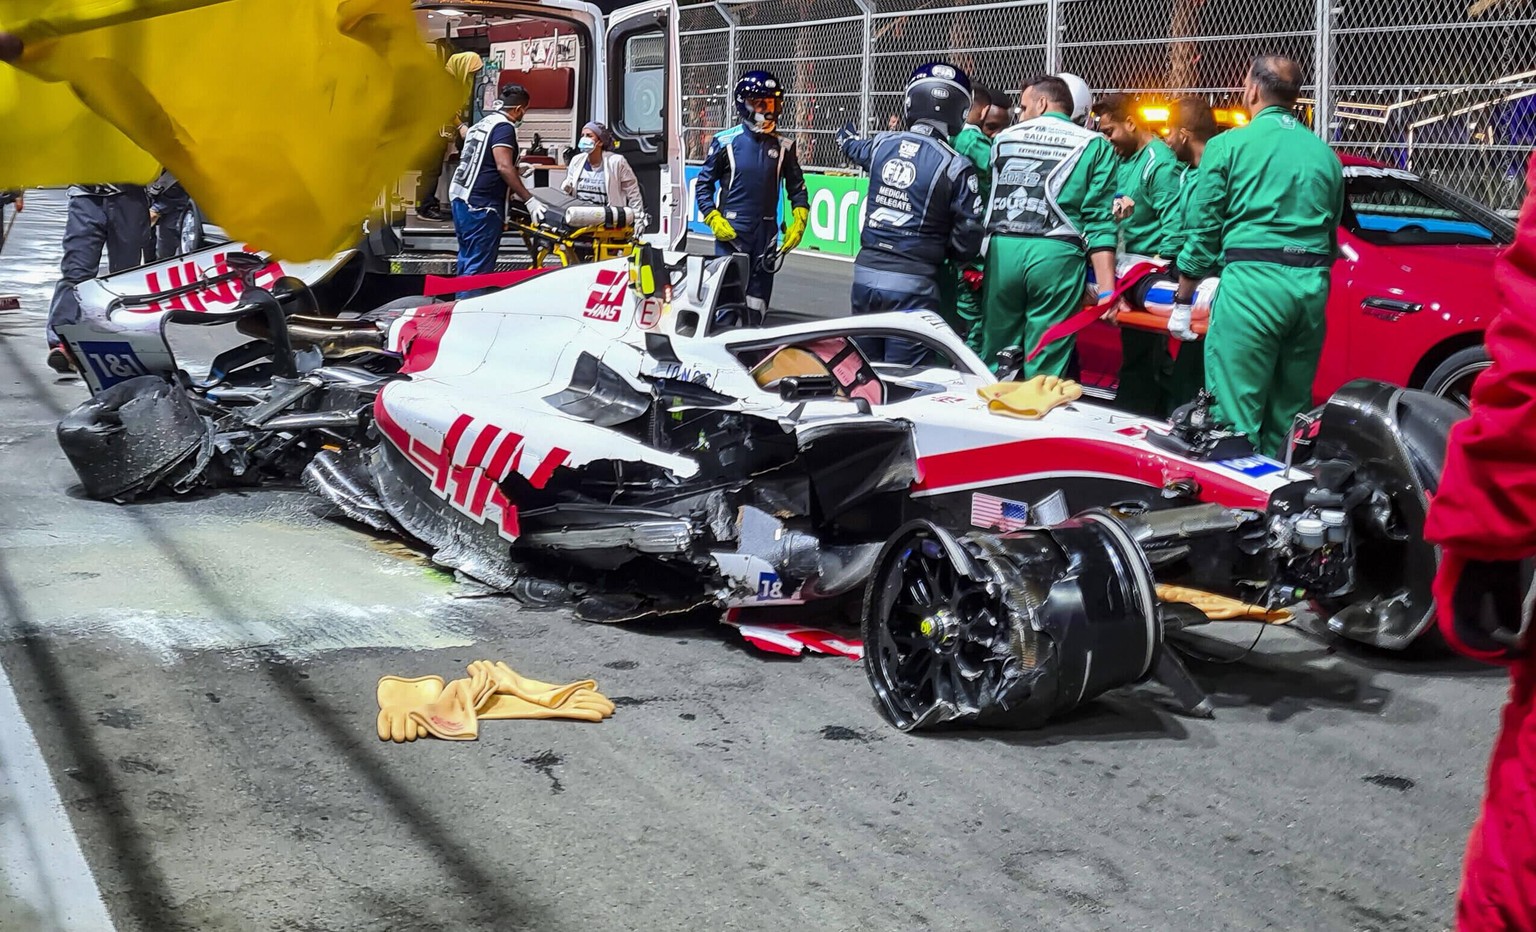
point(941, 631)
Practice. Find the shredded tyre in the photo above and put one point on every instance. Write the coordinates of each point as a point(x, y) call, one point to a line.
point(135, 438)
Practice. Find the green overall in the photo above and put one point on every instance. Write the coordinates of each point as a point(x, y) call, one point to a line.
point(1151, 179)
point(1051, 203)
point(961, 304)
point(1267, 208)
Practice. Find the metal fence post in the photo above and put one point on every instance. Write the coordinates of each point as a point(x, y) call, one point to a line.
point(1442, 87)
point(730, 54)
point(866, 76)
point(1322, 66)
point(1052, 36)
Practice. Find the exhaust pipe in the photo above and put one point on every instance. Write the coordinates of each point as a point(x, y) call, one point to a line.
point(322, 420)
point(336, 339)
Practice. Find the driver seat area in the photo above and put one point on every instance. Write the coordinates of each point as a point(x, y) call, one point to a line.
point(835, 357)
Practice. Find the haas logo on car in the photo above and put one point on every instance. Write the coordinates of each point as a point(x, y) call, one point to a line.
point(212, 297)
point(607, 296)
point(470, 464)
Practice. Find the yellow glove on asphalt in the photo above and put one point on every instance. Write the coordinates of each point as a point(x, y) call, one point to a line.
point(509, 682)
point(1029, 400)
point(720, 226)
point(398, 696)
point(452, 716)
point(583, 705)
point(1219, 607)
point(796, 230)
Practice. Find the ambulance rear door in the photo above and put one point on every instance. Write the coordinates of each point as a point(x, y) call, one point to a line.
point(645, 110)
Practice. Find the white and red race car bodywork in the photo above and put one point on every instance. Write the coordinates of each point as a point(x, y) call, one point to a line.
point(121, 331)
point(575, 437)
point(550, 377)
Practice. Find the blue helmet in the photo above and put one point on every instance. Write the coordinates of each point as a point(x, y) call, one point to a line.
point(759, 97)
point(938, 95)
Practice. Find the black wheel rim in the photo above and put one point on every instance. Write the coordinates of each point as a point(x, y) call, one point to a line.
point(942, 639)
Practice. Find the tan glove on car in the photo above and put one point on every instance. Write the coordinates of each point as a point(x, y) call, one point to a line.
point(1029, 400)
point(398, 696)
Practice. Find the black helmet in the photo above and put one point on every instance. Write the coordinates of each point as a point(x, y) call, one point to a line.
point(938, 95)
point(759, 97)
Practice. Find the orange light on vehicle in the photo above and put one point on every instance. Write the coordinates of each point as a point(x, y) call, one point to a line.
point(1154, 114)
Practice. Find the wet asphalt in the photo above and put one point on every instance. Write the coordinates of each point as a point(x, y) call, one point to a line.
point(199, 674)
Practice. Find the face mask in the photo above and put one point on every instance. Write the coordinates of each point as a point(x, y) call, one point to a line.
point(584, 143)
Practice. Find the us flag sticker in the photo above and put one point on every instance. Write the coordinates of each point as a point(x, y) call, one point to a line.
point(998, 514)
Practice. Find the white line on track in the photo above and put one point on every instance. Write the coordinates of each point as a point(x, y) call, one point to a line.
point(45, 884)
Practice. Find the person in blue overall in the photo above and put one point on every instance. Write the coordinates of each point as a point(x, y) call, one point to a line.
point(924, 204)
point(749, 164)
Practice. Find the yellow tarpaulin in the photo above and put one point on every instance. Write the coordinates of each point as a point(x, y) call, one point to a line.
point(284, 119)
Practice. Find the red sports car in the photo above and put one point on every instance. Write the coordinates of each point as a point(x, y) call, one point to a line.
point(1412, 292)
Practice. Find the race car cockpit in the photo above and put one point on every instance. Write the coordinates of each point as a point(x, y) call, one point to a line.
point(829, 366)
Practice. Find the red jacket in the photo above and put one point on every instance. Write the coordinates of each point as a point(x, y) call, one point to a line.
point(1485, 507)
point(1484, 518)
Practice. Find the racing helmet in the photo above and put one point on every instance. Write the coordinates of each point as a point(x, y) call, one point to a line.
point(1082, 97)
point(938, 95)
point(759, 97)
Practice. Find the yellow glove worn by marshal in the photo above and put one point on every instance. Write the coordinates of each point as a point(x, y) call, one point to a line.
point(720, 226)
point(796, 231)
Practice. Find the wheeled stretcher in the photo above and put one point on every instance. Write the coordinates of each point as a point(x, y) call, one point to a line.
point(572, 230)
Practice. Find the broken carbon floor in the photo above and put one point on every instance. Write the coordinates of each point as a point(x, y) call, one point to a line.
point(199, 675)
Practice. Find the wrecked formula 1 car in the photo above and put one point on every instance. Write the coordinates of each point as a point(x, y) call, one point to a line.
point(281, 381)
point(598, 434)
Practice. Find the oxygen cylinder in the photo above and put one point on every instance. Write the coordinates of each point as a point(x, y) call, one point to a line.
point(595, 215)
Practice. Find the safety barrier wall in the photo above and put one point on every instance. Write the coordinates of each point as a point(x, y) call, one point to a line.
point(1446, 88)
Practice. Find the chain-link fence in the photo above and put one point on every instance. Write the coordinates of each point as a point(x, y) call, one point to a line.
point(1444, 87)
